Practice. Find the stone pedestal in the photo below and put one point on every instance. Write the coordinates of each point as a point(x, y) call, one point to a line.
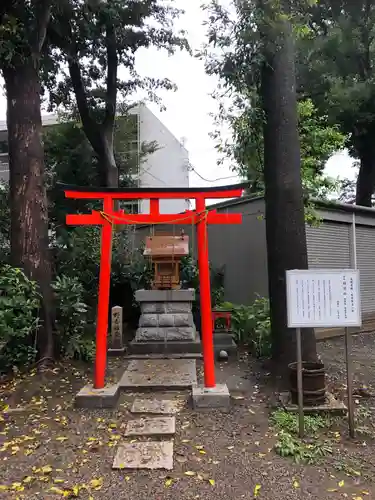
point(166, 324)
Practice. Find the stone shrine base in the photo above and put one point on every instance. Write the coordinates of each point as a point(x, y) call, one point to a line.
point(166, 324)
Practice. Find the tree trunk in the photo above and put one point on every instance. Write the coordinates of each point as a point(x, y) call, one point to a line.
point(366, 175)
point(109, 175)
point(285, 222)
point(28, 200)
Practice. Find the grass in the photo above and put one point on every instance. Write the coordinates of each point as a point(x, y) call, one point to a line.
point(290, 445)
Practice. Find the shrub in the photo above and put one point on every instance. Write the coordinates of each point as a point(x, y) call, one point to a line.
point(75, 334)
point(252, 325)
point(19, 307)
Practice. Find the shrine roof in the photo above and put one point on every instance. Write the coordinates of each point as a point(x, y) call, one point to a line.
point(167, 245)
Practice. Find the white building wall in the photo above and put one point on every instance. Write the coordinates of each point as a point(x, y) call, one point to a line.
point(166, 167)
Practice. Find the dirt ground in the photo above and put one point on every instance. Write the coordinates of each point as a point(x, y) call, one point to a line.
point(50, 450)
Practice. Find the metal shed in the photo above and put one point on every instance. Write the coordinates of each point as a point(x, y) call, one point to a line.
point(344, 239)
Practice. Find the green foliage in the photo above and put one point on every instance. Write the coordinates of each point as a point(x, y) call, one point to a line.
point(75, 336)
point(19, 323)
point(189, 274)
point(4, 223)
point(335, 69)
point(234, 53)
point(252, 325)
point(289, 445)
point(288, 422)
point(102, 36)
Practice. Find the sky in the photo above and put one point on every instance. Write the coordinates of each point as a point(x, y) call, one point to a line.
point(188, 110)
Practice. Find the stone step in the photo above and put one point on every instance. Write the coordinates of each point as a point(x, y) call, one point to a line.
point(159, 374)
point(155, 426)
point(182, 355)
point(144, 455)
point(157, 406)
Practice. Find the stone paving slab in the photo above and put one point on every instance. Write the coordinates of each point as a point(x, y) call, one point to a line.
point(144, 455)
point(157, 406)
point(159, 374)
point(155, 426)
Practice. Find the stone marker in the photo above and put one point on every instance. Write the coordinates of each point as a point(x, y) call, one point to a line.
point(157, 406)
point(144, 455)
point(156, 426)
point(116, 342)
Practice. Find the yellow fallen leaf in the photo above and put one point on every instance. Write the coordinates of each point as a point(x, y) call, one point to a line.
point(257, 490)
point(185, 441)
point(168, 482)
point(46, 469)
point(96, 483)
point(212, 482)
point(341, 484)
point(296, 484)
point(3, 487)
point(127, 478)
point(17, 487)
point(61, 438)
point(357, 498)
point(53, 489)
point(365, 492)
point(189, 473)
point(199, 447)
point(28, 479)
point(58, 481)
point(332, 490)
point(202, 452)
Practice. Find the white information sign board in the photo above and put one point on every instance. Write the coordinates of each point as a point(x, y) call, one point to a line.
point(323, 298)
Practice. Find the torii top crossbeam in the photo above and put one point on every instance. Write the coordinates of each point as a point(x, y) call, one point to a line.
point(108, 217)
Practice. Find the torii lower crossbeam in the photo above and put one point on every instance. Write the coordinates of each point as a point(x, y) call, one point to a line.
point(109, 217)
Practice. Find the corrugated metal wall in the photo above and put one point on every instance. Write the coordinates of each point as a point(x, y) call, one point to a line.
point(241, 250)
point(365, 236)
point(328, 245)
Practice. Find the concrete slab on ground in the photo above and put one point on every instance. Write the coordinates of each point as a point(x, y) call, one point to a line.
point(144, 455)
point(88, 397)
point(330, 405)
point(161, 374)
point(155, 426)
point(157, 406)
point(212, 398)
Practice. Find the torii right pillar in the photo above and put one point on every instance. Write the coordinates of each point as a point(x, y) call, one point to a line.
point(210, 395)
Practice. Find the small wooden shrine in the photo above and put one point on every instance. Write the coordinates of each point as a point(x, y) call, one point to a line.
point(166, 252)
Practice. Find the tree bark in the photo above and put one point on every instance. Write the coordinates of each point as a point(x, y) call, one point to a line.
point(366, 175)
point(28, 199)
point(100, 134)
point(285, 222)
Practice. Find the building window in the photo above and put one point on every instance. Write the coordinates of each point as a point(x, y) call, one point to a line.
point(4, 147)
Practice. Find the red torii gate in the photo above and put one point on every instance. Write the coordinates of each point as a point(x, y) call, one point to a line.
point(108, 217)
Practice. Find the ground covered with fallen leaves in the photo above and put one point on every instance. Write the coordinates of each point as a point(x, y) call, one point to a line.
point(49, 450)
